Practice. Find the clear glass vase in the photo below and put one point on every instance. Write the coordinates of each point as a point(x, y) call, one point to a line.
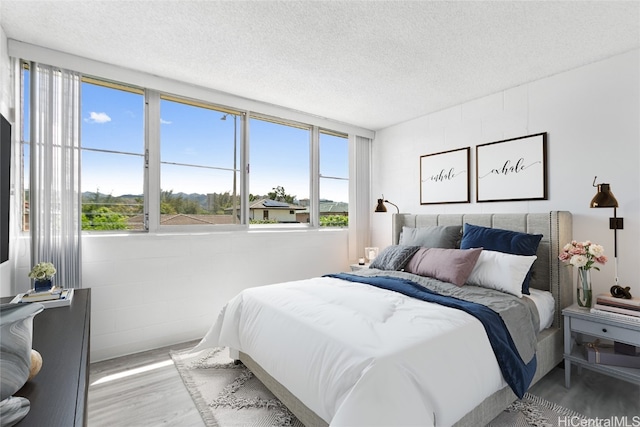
point(584, 291)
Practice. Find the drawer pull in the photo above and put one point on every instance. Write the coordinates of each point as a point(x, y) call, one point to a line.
point(604, 330)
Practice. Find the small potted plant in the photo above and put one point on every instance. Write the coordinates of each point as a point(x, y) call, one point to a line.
point(42, 274)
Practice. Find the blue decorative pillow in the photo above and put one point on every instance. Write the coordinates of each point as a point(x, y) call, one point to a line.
point(394, 257)
point(505, 241)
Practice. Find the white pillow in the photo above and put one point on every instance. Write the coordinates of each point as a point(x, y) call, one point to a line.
point(546, 305)
point(500, 271)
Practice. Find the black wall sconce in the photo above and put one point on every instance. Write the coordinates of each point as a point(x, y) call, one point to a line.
point(604, 198)
point(382, 208)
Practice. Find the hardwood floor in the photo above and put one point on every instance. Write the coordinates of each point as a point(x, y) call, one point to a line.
point(122, 393)
point(592, 394)
point(140, 390)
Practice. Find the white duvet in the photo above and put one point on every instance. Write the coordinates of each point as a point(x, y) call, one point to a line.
point(361, 356)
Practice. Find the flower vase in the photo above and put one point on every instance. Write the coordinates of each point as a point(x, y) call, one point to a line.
point(42, 285)
point(584, 288)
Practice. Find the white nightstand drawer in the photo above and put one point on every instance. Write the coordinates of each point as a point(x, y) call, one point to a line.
point(604, 331)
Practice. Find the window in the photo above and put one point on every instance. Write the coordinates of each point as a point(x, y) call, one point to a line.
point(112, 155)
point(193, 159)
point(199, 161)
point(334, 179)
point(112, 139)
point(279, 177)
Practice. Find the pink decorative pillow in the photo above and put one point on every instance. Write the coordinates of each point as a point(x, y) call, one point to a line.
point(449, 265)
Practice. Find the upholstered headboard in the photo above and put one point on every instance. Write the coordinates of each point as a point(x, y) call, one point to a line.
point(548, 271)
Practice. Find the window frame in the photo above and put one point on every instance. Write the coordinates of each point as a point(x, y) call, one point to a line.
point(313, 160)
point(152, 161)
point(154, 140)
point(139, 91)
point(346, 179)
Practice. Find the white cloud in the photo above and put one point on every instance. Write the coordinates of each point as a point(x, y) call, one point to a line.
point(164, 122)
point(98, 118)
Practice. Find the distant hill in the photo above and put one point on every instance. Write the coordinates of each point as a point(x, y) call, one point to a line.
point(201, 199)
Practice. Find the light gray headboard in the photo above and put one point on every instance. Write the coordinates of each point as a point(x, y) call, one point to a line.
point(549, 273)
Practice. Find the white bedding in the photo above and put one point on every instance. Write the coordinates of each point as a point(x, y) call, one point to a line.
point(345, 351)
point(545, 304)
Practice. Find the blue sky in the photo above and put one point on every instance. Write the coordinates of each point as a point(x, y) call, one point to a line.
point(279, 155)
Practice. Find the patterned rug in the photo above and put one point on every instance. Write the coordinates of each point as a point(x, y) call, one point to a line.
point(228, 395)
point(538, 412)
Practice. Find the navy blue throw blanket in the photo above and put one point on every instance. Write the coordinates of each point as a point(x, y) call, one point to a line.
point(515, 371)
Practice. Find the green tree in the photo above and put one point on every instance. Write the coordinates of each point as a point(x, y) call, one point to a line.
point(176, 204)
point(334, 221)
point(222, 201)
point(103, 218)
point(102, 212)
point(280, 195)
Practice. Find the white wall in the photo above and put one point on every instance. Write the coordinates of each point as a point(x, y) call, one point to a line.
point(592, 119)
point(6, 104)
point(149, 291)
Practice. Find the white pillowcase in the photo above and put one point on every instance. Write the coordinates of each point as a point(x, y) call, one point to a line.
point(545, 304)
point(500, 271)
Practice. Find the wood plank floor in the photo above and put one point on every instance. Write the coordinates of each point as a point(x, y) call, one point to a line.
point(121, 393)
point(592, 394)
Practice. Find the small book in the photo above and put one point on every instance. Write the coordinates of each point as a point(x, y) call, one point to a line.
point(627, 304)
point(64, 299)
point(49, 295)
point(617, 310)
point(615, 315)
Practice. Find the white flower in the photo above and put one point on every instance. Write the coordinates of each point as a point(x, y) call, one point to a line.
point(596, 250)
point(567, 247)
point(43, 270)
point(578, 261)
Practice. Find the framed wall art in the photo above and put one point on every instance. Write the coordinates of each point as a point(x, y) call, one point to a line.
point(444, 177)
point(513, 169)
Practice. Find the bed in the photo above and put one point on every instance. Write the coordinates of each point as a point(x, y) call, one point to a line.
point(329, 366)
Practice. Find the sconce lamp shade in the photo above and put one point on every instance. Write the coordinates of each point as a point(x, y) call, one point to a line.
point(604, 198)
point(382, 208)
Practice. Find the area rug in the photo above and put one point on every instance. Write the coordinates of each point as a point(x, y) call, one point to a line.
point(228, 395)
point(535, 411)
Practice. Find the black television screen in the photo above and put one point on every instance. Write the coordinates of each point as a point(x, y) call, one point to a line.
point(5, 186)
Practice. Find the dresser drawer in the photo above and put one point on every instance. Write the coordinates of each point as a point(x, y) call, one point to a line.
point(606, 331)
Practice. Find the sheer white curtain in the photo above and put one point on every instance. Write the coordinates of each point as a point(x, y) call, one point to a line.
point(54, 200)
point(360, 206)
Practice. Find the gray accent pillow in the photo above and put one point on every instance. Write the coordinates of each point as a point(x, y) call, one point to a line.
point(394, 257)
point(434, 236)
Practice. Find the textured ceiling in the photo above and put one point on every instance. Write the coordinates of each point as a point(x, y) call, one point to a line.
point(371, 64)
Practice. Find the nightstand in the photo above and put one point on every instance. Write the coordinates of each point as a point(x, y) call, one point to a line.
point(581, 322)
point(356, 267)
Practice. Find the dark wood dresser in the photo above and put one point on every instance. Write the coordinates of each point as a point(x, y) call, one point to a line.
point(58, 394)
